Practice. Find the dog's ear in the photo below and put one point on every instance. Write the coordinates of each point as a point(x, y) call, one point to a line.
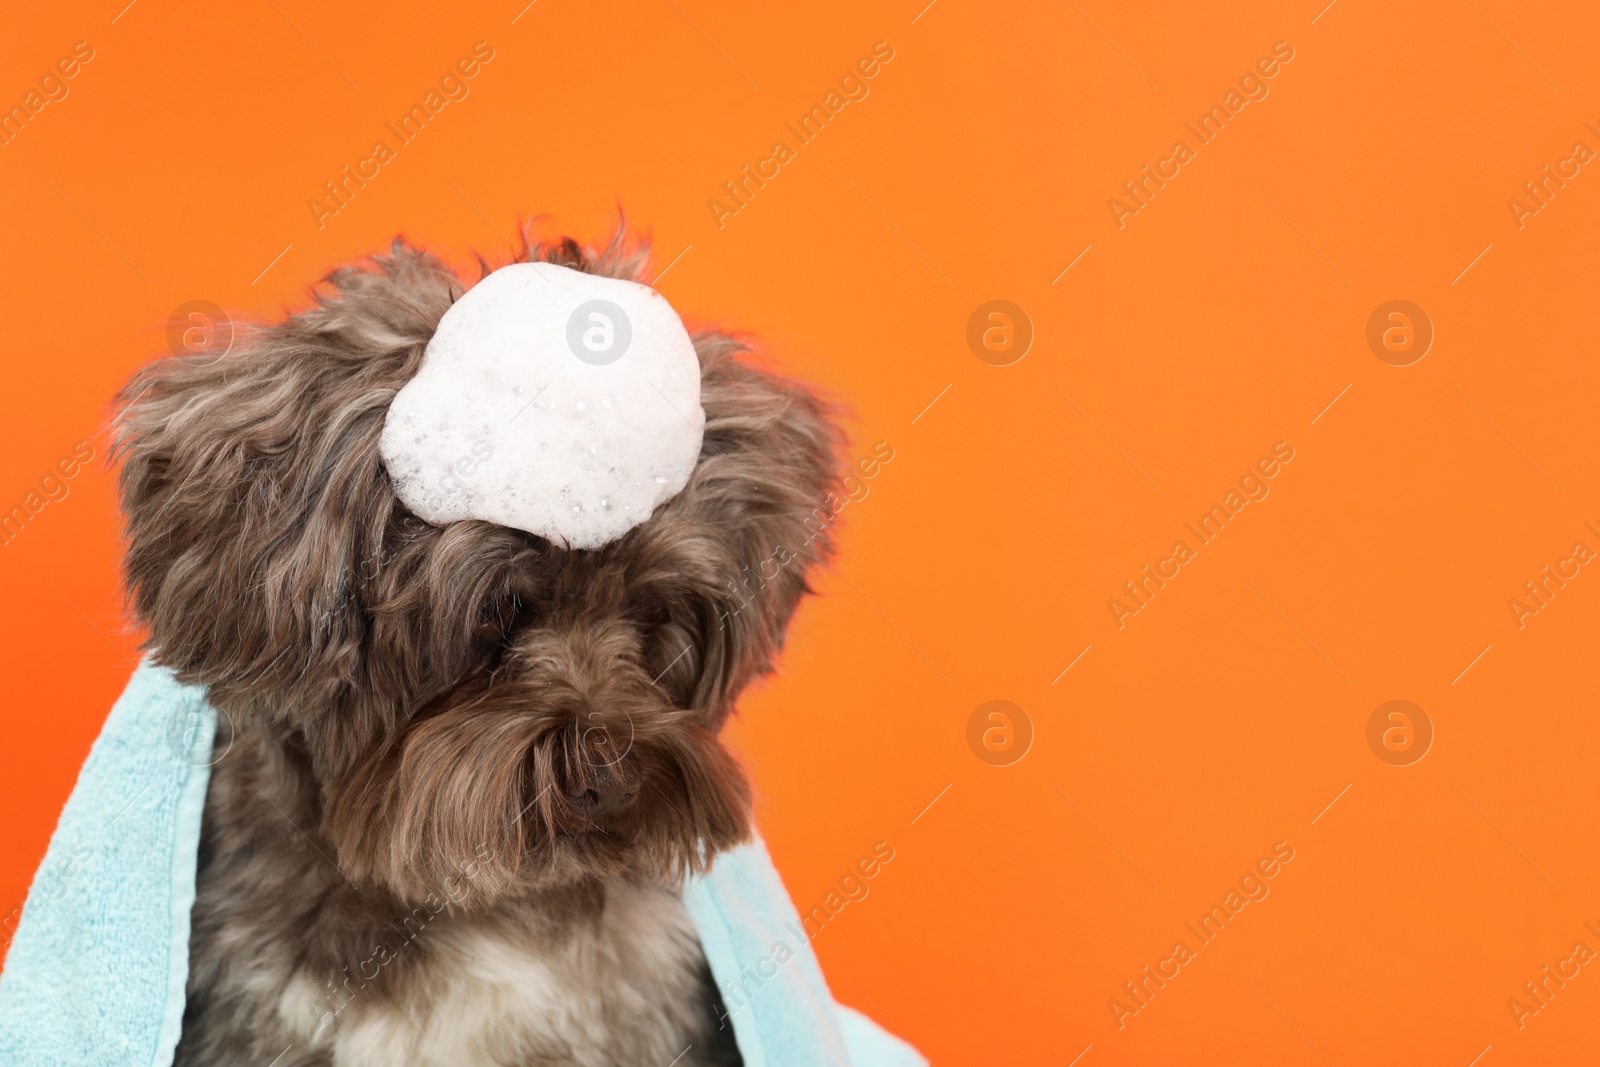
point(720, 570)
point(258, 514)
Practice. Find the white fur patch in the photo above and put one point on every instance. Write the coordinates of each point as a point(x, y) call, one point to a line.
point(508, 990)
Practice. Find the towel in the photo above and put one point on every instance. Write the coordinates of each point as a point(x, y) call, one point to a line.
point(97, 971)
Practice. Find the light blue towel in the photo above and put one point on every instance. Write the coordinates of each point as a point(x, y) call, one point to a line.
point(97, 970)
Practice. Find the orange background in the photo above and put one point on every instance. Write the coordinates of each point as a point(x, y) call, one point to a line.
point(1222, 318)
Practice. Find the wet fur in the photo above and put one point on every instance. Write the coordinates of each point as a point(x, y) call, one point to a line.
point(403, 855)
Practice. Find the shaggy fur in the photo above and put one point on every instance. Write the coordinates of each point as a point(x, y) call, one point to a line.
point(466, 769)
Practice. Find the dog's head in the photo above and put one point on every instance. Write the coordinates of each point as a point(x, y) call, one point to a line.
point(466, 694)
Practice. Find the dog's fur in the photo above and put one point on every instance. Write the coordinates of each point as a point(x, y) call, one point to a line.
point(464, 770)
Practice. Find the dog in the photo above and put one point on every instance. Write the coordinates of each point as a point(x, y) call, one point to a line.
point(462, 771)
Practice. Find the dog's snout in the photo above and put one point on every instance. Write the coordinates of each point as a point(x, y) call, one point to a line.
point(603, 789)
point(598, 778)
point(606, 796)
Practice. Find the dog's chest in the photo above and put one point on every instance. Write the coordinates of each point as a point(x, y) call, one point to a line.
point(623, 986)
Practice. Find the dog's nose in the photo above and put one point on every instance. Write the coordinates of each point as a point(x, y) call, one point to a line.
point(603, 781)
point(605, 795)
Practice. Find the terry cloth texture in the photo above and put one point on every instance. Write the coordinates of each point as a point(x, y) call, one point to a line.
point(96, 973)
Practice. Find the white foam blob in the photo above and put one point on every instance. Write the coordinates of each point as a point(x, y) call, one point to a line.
point(551, 401)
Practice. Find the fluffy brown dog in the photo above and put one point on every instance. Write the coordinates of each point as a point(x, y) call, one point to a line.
point(464, 769)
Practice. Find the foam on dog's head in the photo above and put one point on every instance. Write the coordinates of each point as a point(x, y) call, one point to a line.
point(552, 401)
